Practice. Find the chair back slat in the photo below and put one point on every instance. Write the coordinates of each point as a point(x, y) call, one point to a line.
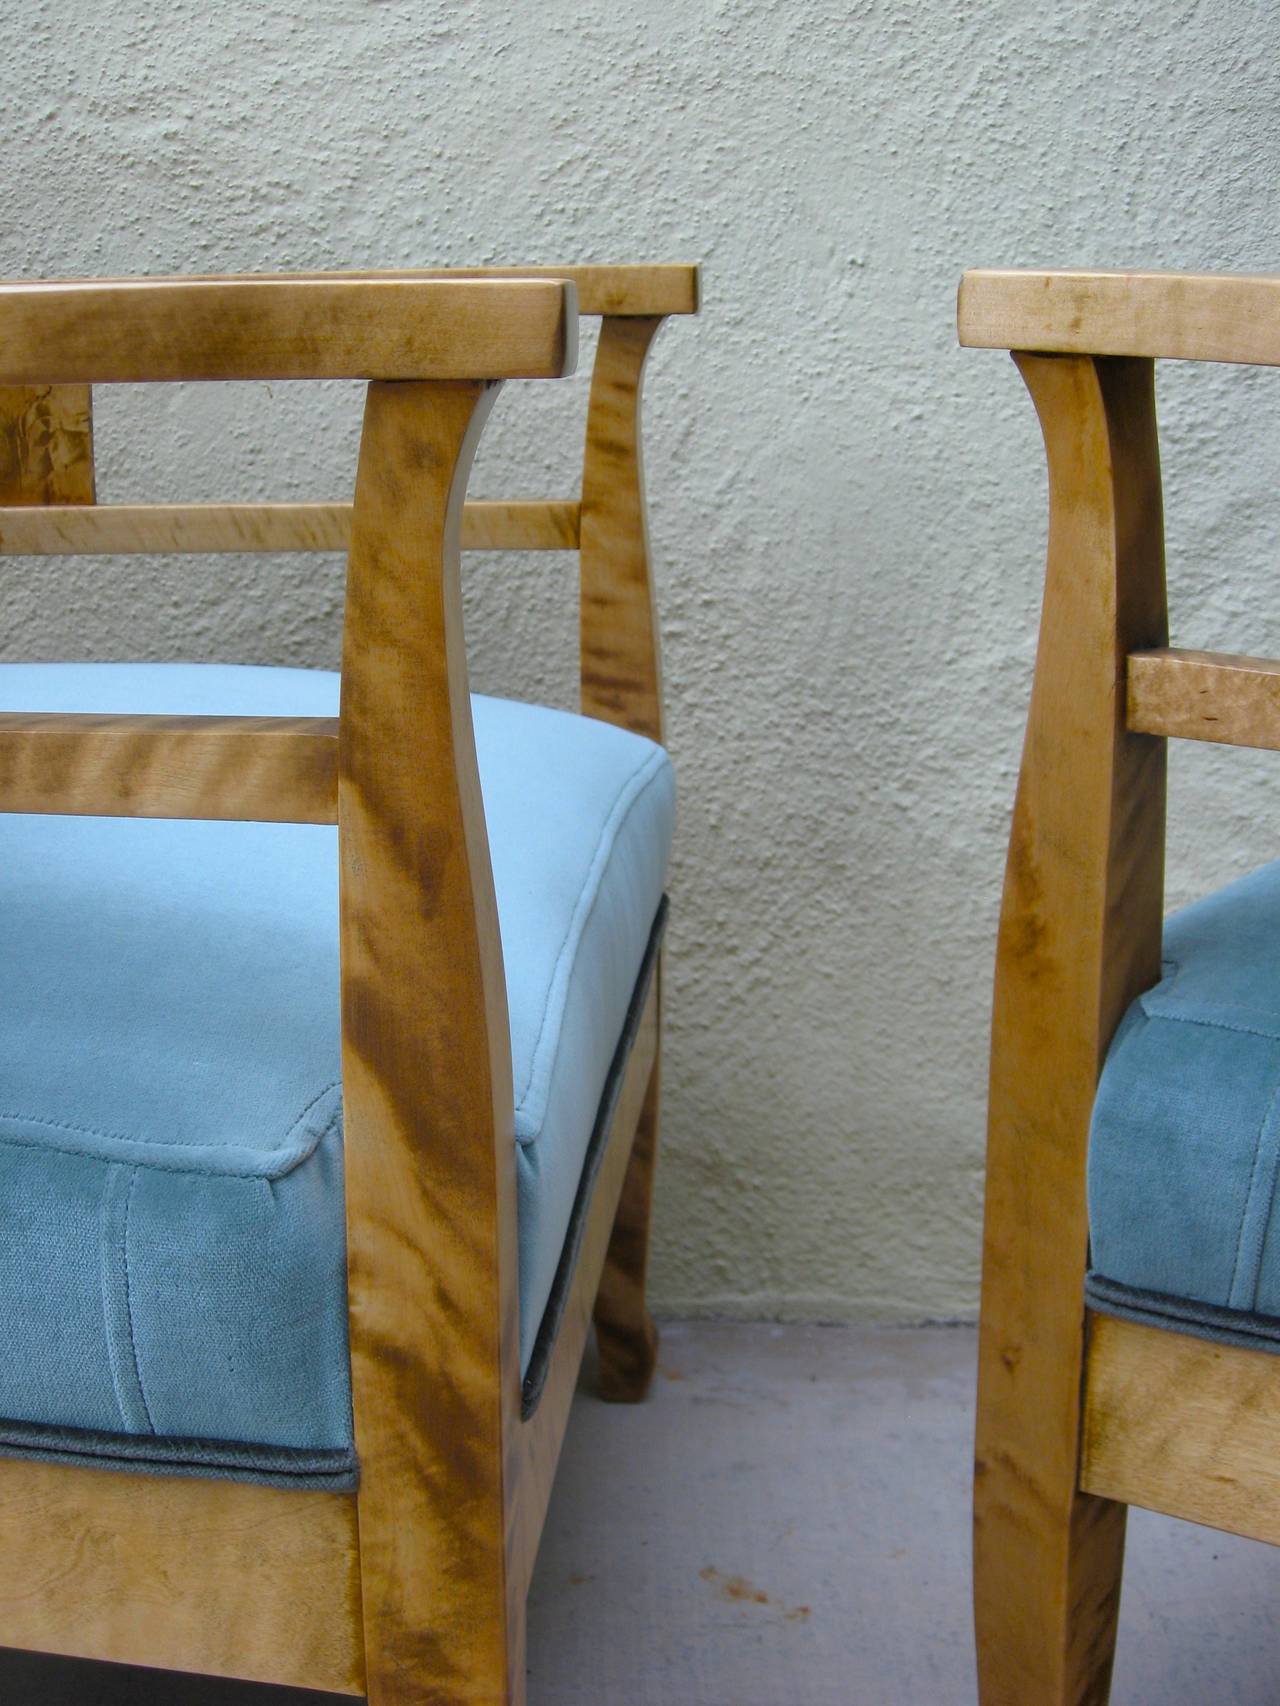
point(264, 769)
point(1214, 696)
point(60, 337)
point(123, 529)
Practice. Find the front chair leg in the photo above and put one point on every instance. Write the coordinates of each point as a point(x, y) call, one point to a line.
point(625, 1333)
point(1046, 1591)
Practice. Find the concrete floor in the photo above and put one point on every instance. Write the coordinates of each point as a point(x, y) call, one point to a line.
point(785, 1523)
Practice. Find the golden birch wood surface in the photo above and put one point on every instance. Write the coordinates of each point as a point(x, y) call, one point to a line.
point(620, 658)
point(181, 1573)
point(46, 445)
point(1080, 936)
point(661, 288)
point(1183, 1425)
point(430, 1148)
point(123, 529)
point(1213, 696)
point(271, 769)
point(1189, 316)
point(324, 327)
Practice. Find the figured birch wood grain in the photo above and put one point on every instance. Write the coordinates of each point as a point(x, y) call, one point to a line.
point(662, 288)
point(46, 444)
point(268, 769)
point(1189, 316)
point(537, 1442)
point(180, 1573)
point(1213, 696)
point(1080, 936)
point(429, 1123)
point(122, 529)
point(330, 327)
point(1185, 1426)
point(607, 290)
point(626, 1335)
point(621, 667)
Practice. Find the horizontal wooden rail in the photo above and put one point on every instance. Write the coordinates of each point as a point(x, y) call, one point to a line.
point(1234, 701)
point(351, 326)
point(262, 769)
point(1186, 316)
point(69, 530)
point(625, 291)
point(1182, 1425)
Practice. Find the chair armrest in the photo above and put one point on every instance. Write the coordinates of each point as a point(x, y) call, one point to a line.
point(334, 327)
point(615, 290)
point(1185, 316)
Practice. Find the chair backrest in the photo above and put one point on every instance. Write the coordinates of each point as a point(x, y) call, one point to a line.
point(61, 337)
point(1191, 695)
point(58, 339)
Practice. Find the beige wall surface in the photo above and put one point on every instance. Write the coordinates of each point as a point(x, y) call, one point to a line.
point(847, 509)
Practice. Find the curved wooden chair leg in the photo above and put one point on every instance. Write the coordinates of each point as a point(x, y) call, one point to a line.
point(625, 1333)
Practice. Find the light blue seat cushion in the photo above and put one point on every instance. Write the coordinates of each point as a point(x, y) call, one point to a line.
point(1185, 1143)
point(172, 1251)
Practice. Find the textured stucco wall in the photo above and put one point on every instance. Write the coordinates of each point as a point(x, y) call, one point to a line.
point(847, 509)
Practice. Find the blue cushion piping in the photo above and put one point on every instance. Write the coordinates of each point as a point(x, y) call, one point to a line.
point(220, 1160)
point(1183, 1315)
point(210, 1459)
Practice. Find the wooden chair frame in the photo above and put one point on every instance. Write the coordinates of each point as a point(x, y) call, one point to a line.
point(1081, 1415)
point(412, 1589)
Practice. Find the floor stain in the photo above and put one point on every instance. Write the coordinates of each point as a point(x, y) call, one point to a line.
point(739, 1591)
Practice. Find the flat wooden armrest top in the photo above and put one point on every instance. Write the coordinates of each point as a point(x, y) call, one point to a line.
point(331, 326)
point(1185, 316)
point(619, 291)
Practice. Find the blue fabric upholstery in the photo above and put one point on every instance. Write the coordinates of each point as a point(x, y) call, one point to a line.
point(171, 1220)
point(1184, 1151)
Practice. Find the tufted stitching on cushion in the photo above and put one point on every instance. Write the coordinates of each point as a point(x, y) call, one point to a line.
point(1162, 1001)
point(1192, 1018)
point(624, 802)
point(117, 1318)
point(1262, 1195)
point(128, 1299)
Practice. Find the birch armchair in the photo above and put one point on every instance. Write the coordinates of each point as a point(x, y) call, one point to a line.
point(1131, 1276)
point(320, 1145)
